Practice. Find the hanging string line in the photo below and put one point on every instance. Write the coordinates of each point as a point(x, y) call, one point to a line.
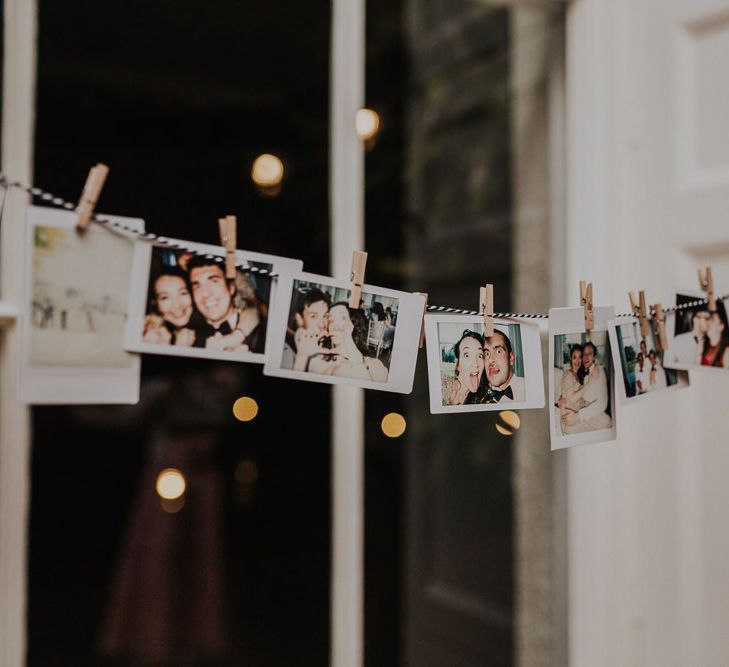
point(130, 232)
point(162, 241)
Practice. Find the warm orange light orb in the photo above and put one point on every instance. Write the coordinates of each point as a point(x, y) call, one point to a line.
point(245, 409)
point(267, 170)
point(393, 425)
point(171, 484)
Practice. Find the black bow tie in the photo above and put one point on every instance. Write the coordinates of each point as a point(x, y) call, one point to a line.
point(224, 329)
point(497, 395)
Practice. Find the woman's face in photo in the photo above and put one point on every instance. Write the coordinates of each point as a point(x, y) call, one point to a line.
point(174, 300)
point(338, 319)
point(576, 360)
point(470, 363)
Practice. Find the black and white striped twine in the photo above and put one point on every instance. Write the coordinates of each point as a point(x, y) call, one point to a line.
point(154, 239)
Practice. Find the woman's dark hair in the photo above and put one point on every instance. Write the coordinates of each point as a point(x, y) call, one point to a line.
point(359, 322)
point(467, 333)
point(574, 347)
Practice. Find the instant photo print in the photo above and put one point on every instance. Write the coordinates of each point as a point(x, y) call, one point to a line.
point(639, 363)
point(469, 372)
point(582, 406)
point(74, 312)
point(182, 304)
point(698, 339)
point(315, 336)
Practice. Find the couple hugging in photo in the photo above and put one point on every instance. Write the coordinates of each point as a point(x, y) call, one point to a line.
point(484, 371)
point(707, 344)
point(195, 305)
point(330, 339)
point(582, 395)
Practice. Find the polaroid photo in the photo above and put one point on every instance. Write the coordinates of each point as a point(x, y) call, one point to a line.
point(182, 304)
point(581, 389)
point(468, 372)
point(74, 311)
point(640, 362)
point(697, 338)
point(314, 335)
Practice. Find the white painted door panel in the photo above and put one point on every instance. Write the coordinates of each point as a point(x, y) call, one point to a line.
point(648, 203)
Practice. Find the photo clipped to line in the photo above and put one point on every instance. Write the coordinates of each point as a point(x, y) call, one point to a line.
point(182, 304)
point(471, 372)
point(641, 362)
point(698, 337)
point(581, 389)
point(75, 303)
point(314, 335)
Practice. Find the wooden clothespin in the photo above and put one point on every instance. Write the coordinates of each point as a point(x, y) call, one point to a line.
point(659, 320)
point(586, 303)
point(356, 276)
point(422, 323)
point(228, 241)
point(90, 195)
point(707, 285)
point(486, 308)
point(639, 310)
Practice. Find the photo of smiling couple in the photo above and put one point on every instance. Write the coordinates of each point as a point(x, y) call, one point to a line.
point(481, 369)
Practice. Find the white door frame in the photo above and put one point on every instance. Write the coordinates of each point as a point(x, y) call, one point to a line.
point(347, 85)
point(18, 117)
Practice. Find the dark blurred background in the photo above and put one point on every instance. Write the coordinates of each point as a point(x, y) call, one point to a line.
point(179, 98)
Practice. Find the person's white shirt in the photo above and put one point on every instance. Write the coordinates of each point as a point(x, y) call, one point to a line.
point(642, 376)
point(685, 349)
point(518, 390)
point(596, 395)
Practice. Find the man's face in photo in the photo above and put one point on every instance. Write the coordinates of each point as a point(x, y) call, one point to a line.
point(588, 356)
point(314, 316)
point(497, 360)
point(211, 292)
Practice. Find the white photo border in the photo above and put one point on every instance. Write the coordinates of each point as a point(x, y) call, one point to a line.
point(569, 321)
point(138, 292)
point(40, 384)
point(532, 359)
point(401, 374)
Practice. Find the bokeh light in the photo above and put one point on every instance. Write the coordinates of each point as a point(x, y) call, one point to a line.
point(508, 422)
point(393, 425)
point(267, 170)
point(367, 123)
point(245, 409)
point(171, 484)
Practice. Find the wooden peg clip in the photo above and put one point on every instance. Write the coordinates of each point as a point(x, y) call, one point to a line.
point(586, 303)
point(659, 320)
point(643, 315)
point(90, 195)
point(707, 285)
point(422, 322)
point(486, 308)
point(356, 276)
point(228, 241)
